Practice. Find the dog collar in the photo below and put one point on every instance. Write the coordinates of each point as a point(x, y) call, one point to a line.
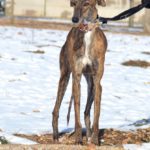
point(88, 27)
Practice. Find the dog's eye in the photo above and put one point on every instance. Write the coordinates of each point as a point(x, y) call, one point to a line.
point(86, 4)
point(73, 4)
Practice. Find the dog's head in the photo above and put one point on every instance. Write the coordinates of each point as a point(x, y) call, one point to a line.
point(85, 10)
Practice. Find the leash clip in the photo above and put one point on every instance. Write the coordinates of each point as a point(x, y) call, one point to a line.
point(147, 2)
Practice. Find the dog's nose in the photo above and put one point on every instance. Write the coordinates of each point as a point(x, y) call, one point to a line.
point(75, 19)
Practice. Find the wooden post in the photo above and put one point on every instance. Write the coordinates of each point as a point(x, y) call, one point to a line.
point(45, 3)
point(147, 21)
point(12, 11)
point(131, 19)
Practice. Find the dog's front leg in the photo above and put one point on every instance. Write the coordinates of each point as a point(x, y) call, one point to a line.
point(76, 95)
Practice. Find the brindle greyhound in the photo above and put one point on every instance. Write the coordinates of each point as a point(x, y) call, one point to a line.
point(82, 53)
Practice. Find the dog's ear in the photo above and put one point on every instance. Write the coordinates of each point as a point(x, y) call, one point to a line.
point(101, 2)
point(72, 3)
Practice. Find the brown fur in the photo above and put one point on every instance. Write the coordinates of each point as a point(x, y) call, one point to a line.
point(78, 39)
point(71, 61)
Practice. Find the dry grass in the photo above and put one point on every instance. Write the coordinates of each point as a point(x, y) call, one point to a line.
point(137, 63)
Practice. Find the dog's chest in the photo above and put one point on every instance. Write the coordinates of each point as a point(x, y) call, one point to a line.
point(86, 60)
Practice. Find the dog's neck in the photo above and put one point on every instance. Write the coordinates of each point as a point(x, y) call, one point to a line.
point(88, 26)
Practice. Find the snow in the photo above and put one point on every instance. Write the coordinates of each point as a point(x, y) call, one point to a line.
point(145, 146)
point(17, 140)
point(29, 82)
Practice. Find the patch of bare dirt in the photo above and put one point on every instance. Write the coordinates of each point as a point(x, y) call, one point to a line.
point(32, 23)
point(107, 137)
point(57, 147)
point(41, 24)
point(137, 63)
point(147, 53)
point(36, 52)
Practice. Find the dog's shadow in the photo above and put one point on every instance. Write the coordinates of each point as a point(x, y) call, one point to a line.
point(70, 131)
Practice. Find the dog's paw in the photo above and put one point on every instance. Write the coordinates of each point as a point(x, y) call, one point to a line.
point(95, 139)
point(55, 136)
point(78, 137)
point(79, 141)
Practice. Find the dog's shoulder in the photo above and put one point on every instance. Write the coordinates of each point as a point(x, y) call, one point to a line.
point(77, 37)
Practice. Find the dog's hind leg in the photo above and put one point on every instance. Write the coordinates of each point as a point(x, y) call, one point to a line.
point(90, 99)
point(97, 99)
point(63, 82)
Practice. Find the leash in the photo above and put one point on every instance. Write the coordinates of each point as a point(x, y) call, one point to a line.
point(127, 13)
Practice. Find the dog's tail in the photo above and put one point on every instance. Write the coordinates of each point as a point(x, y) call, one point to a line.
point(69, 109)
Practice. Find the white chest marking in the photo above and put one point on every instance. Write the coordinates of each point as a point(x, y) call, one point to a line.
point(87, 39)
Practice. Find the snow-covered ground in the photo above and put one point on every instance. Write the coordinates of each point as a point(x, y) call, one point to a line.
point(28, 82)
